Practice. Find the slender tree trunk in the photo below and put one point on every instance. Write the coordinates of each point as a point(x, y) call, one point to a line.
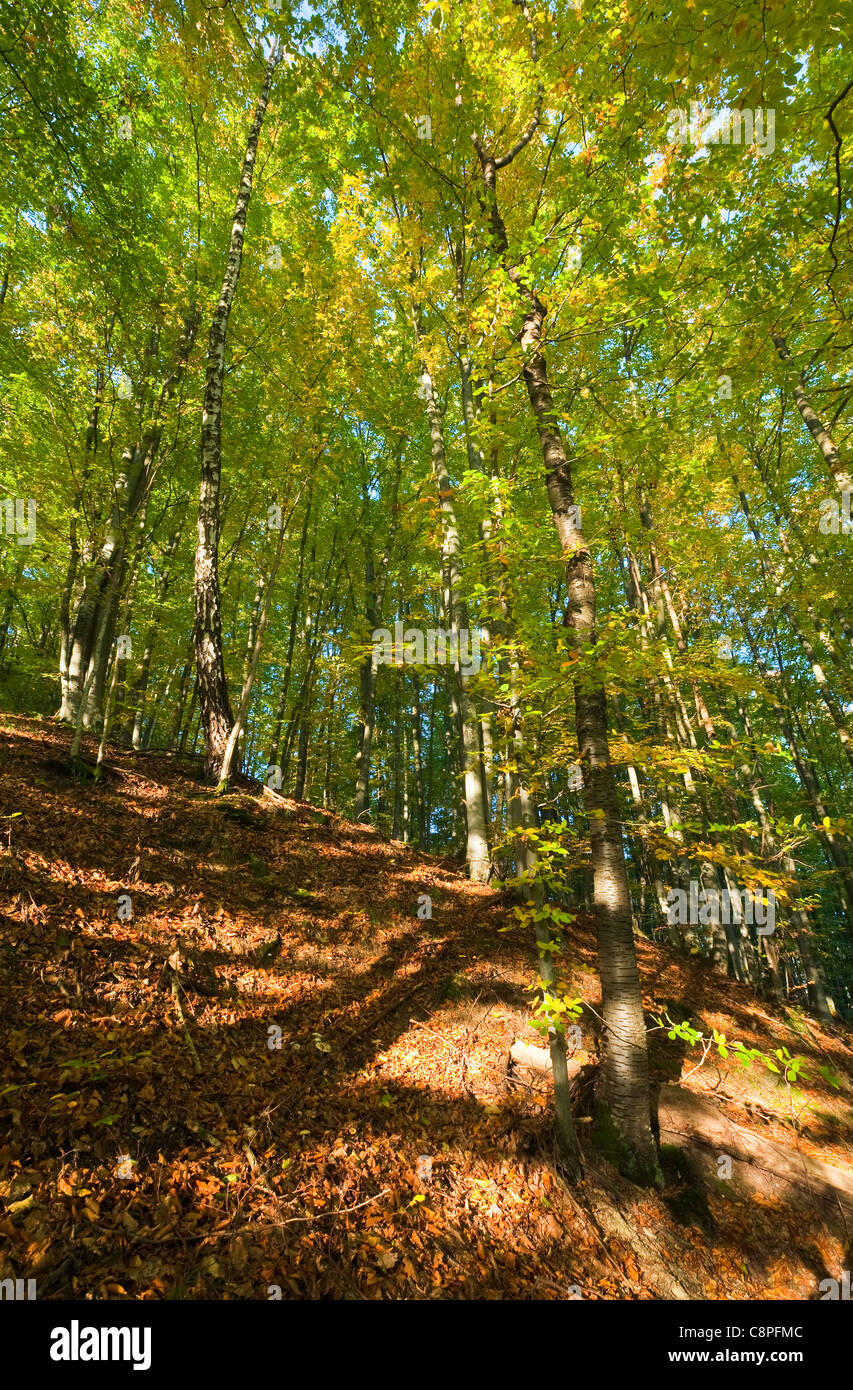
point(429, 805)
point(9, 603)
point(650, 866)
point(98, 658)
point(830, 703)
point(141, 688)
point(302, 755)
point(367, 697)
point(819, 997)
point(477, 852)
point(398, 770)
point(214, 700)
point(66, 710)
point(181, 703)
point(185, 732)
point(374, 598)
point(130, 493)
point(328, 798)
point(250, 670)
point(417, 765)
point(830, 452)
point(291, 639)
point(254, 618)
point(837, 851)
point(785, 522)
point(624, 1100)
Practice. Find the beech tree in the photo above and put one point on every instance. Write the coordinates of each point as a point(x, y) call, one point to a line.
point(528, 326)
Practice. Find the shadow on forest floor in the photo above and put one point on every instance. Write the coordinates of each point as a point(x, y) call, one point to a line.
point(275, 1073)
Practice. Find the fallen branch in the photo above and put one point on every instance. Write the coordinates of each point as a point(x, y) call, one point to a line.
point(527, 1055)
point(318, 1216)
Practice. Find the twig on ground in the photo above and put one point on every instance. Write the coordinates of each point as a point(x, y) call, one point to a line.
point(190, 1044)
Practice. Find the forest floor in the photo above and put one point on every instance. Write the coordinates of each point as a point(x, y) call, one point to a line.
point(155, 1146)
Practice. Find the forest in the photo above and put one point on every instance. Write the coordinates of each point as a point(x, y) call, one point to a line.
point(425, 584)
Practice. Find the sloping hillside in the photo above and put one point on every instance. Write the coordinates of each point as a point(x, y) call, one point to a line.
point(159, 1144)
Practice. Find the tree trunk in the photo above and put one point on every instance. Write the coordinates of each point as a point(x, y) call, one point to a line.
point(830, 452)
point(100, 585)
point(275, 741)
point(259, 626)
point(374, 598)
point(214, 700)
point(837, 851)
point(9, 603)
point(141, 688)
point(183, 690)
point(819, 998)
point(624, 1101)
point(417, 766)
point(477, 852)
point(74, 552)
point(398, 765)
point(367, 697)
